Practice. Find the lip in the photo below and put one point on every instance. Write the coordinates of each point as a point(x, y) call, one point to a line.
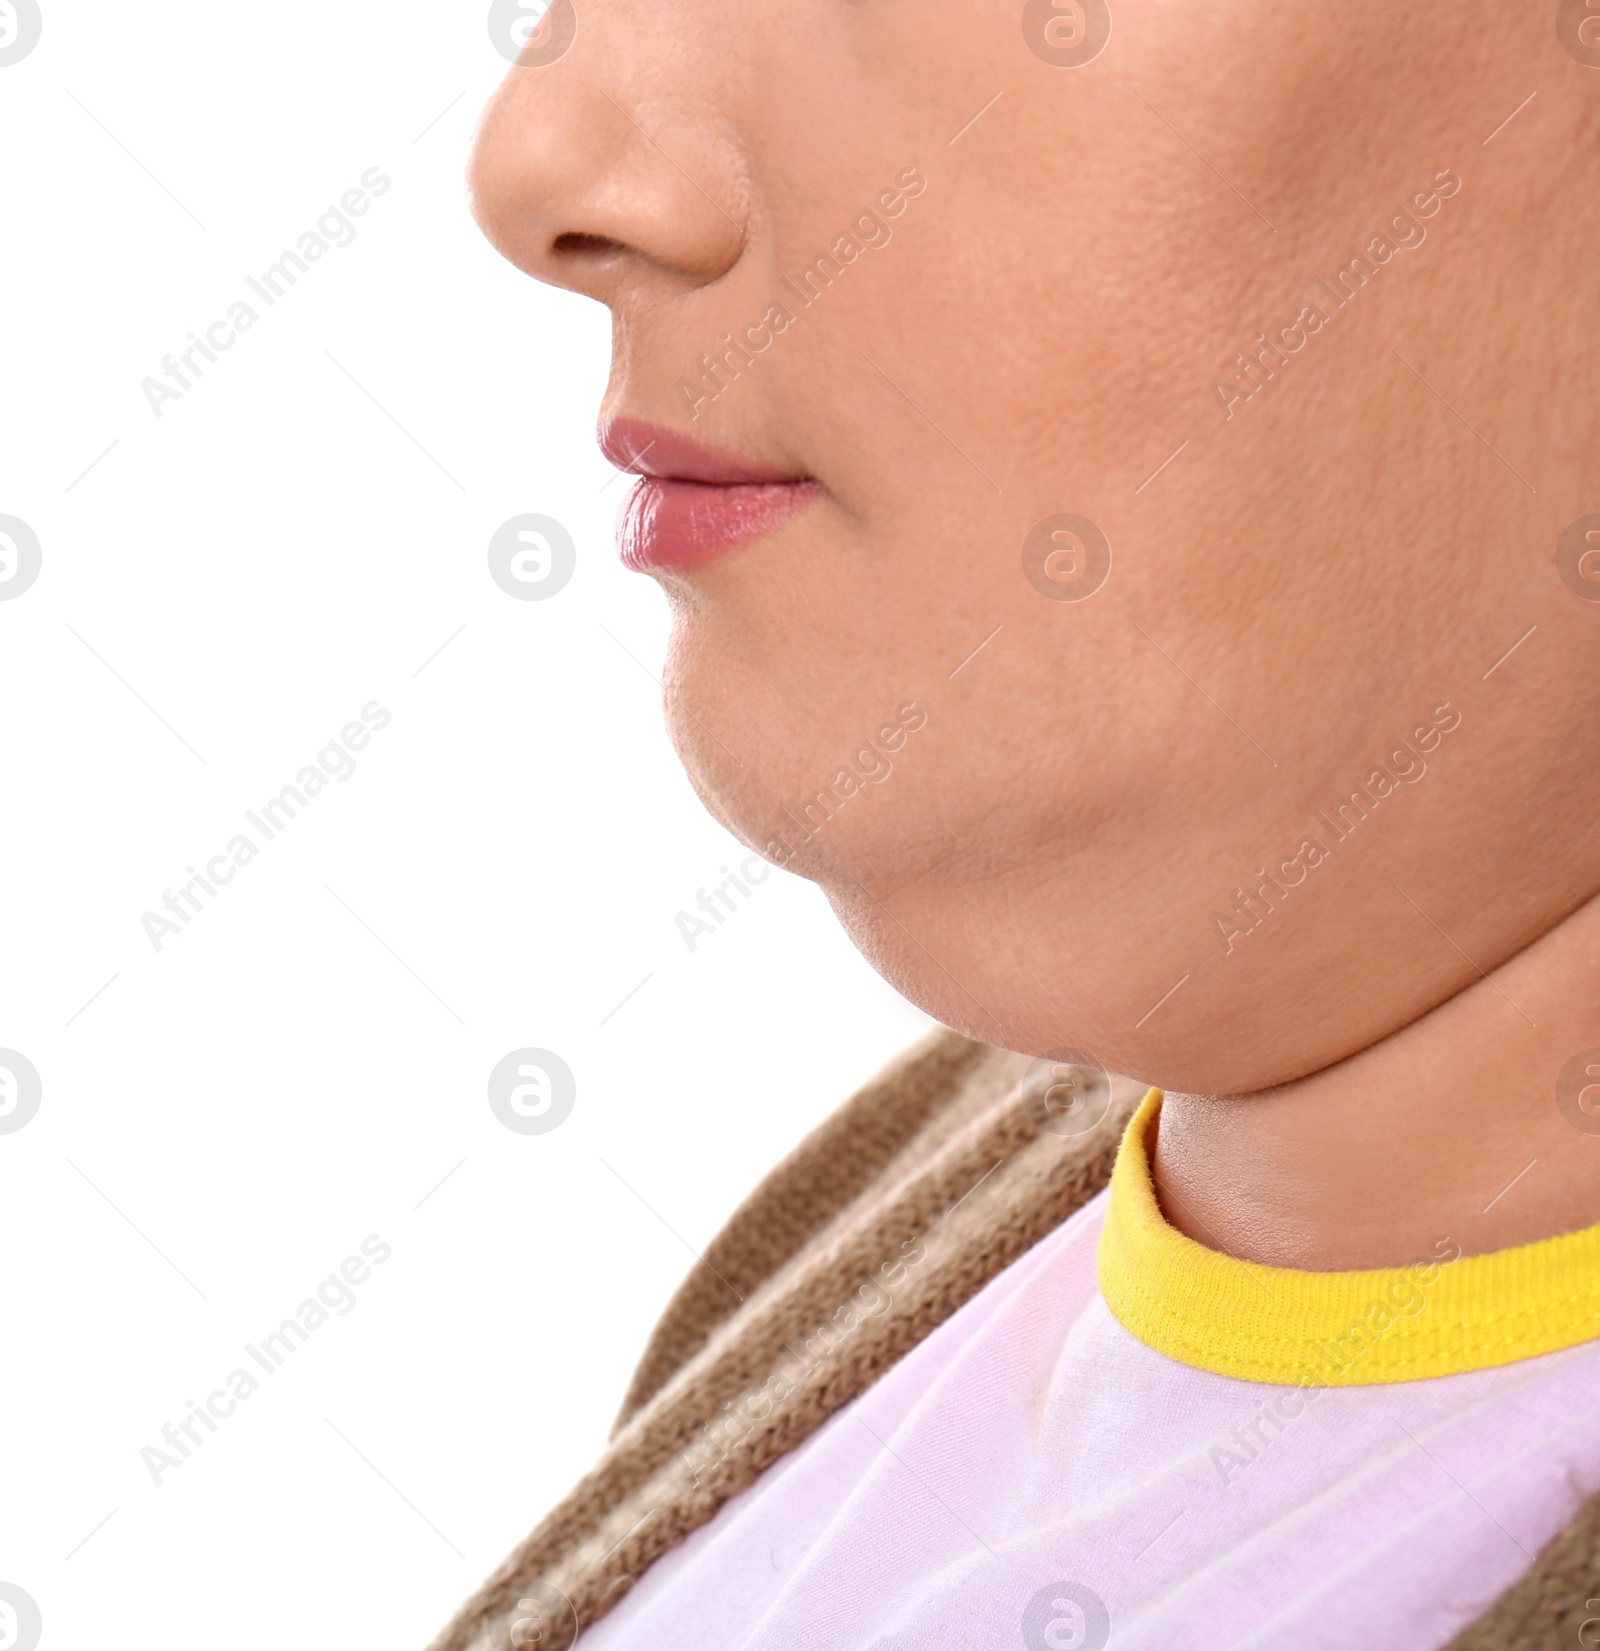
point(692, 503)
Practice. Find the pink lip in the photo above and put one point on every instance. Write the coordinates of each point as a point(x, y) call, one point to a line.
point(693, 504)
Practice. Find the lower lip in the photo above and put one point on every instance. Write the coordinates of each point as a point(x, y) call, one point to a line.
point(673, 526)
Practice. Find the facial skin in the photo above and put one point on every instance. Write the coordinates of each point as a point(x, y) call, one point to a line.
point(1322, 568)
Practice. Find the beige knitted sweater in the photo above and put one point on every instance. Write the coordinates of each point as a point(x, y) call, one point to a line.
point(928, 1182)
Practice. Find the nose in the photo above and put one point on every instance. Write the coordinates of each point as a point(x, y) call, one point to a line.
point(585, 187)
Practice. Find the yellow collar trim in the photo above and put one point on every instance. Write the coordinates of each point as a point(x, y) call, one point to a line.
point(1442, 1315)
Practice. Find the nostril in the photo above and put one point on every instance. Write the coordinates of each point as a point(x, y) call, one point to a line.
point(584, 246)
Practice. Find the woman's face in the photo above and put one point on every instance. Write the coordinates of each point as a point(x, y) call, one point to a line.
point(1086, 467)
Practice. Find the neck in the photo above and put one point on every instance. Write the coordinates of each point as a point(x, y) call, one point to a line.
point(1451, 1127)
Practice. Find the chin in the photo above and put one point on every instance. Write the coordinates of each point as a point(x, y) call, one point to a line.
point(836, 821)
point(811, 752)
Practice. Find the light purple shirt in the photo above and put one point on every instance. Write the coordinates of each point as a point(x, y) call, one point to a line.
point(1033, 1476)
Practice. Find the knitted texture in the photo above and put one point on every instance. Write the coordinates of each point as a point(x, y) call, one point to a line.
point(897, 1210)
point(916, 1102)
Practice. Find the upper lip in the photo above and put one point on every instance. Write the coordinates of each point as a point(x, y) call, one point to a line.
point(645, 449)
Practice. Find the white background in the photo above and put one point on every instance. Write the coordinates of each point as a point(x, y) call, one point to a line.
point(228, 1118)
